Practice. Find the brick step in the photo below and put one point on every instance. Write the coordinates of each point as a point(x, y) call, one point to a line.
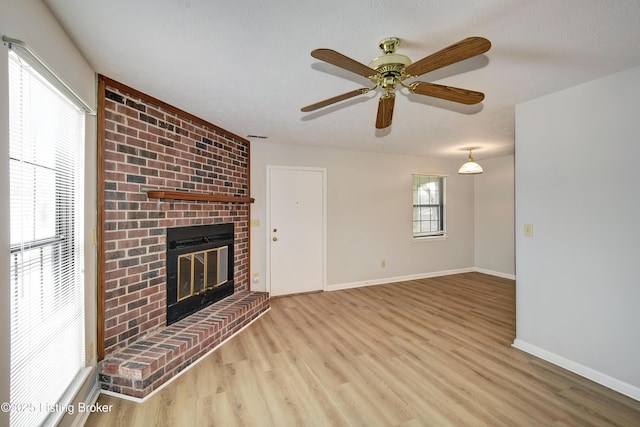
point(145, 365)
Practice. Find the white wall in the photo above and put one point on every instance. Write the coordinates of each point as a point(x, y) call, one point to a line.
point(494, 216)
point(31, 22)
point(577, 180)
point(369, 214)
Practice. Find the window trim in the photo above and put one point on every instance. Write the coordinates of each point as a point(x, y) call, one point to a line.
point(440, 235)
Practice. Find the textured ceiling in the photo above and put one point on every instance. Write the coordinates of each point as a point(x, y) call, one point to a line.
point(246, 66)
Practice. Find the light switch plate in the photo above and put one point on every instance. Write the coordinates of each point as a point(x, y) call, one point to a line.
point(528, 230)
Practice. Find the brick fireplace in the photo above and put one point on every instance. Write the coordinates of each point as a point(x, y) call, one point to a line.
point(164, 168)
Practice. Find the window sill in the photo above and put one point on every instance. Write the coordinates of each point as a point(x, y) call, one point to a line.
point(429, 238)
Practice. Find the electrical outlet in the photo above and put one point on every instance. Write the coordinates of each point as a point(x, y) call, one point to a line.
point(383, 263)
point(255, 222)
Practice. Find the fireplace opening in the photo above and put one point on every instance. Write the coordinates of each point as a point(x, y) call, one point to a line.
point(199, 268)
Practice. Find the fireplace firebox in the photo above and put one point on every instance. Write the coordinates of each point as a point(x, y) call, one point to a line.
point(199, 268)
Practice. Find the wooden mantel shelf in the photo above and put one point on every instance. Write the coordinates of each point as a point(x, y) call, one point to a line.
point(185, 195)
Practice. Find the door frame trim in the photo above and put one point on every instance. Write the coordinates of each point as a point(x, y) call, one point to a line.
point(323, 171)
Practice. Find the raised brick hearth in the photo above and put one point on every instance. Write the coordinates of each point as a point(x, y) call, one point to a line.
point(147, 145)
point(142, 367)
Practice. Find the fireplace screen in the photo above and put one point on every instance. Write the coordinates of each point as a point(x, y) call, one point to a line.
point(201, 271)
point(199, 267)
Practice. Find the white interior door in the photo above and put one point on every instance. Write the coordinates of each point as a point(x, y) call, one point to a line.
point(296, 233)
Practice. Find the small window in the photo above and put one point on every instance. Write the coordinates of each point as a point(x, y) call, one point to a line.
point(428, 206)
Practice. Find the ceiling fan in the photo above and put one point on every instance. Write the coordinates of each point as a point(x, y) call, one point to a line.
point(392, 69)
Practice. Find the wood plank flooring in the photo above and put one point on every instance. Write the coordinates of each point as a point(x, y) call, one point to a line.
point(430, 352)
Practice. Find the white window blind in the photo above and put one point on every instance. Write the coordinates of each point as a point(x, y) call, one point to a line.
point(46, 147)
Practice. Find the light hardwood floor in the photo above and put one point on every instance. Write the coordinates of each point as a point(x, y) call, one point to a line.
point(431, 352)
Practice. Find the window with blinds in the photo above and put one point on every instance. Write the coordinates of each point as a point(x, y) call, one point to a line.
point(46, 148)
point(428, 205)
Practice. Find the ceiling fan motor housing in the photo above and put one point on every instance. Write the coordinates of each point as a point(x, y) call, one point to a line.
point(390, 57)
point(390, 66)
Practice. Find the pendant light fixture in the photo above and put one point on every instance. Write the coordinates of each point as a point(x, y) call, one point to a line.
point(471, 167)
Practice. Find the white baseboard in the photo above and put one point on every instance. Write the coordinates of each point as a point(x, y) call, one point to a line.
point(91, 399)
point(495, 273)
point(584, 371)
point(395, 279)
point(386, 280)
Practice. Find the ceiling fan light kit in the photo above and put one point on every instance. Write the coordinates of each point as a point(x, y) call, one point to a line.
point(392, 70)
point(470, 167)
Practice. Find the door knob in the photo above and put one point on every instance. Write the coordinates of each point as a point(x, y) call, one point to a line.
point(275, 239)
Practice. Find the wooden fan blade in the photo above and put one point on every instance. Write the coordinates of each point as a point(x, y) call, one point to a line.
point(339, 60)
point(449, 93)
point(467, 48)
point(385, 110)
point(333, 100)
